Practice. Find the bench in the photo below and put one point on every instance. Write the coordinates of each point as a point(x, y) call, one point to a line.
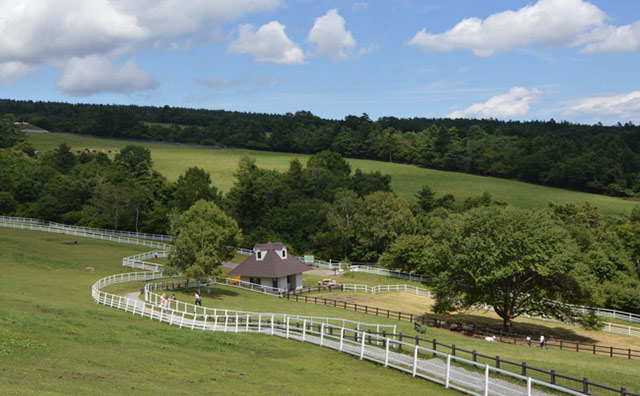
point(419, 328)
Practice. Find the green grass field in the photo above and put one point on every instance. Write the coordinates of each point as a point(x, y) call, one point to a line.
point(173, 160)
point(54, 339)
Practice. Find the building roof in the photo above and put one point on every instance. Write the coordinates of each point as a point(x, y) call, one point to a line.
point(268, 246)
point(272, 264)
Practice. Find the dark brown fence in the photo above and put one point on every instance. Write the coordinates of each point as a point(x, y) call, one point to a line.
point(578, 384)
point(470, 329)
point(583, 385)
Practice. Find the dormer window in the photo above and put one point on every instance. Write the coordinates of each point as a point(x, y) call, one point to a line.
point(284, 253)
point(259, 255)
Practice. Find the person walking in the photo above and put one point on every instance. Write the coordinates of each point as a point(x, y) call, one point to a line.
point(197, 298)
point(164, 303)
point(543, 341)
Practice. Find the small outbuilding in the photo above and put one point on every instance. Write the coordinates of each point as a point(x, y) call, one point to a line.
point(271, 265)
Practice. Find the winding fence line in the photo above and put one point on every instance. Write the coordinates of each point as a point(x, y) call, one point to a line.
point(355, 338)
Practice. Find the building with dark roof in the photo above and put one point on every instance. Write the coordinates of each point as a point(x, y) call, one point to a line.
point(271, 265)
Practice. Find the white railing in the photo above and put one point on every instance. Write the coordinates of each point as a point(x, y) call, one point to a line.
point(622, 329)
point(137, 261)
point(389, 273)
point(448, 370)
point(127, 234)
point(386, 289)
point(352, 338)
point(19, 222)
point(84, 234)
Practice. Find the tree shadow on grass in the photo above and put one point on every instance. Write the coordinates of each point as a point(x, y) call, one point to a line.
point(550, 330)
point(216, 292)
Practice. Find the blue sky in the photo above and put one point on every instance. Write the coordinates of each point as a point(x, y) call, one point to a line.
point(572, 60)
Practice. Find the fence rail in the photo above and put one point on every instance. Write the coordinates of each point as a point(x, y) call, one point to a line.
point(355, 338)
point(469, 376)
point(578, 384)
point(5, 220)
point(462, 327)
point(111, 238)
point(127, 234)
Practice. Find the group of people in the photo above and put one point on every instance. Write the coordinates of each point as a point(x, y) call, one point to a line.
point(165, 303)
point(543, 341)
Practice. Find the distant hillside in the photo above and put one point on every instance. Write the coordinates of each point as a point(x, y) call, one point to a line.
point(173, 160)
point(590, 158)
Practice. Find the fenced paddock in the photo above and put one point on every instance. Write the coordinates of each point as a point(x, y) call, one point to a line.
point(468, 376)
point(454, 372)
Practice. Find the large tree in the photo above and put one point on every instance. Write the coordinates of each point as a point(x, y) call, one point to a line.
point(514, 260)
point(193, 186)
point(203, 237)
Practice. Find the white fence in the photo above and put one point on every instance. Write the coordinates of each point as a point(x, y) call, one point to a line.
point(84, 234)
point(346, 336)
point(386, 289)
point(134, 238)
point(126, 234)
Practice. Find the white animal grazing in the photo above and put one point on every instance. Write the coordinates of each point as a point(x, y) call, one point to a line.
point(490, 339)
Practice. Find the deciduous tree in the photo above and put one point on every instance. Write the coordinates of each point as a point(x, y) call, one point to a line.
point(203, 237)
point(514, 260)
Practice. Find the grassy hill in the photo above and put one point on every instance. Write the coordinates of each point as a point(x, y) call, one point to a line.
point(173, 159)
point(55, 340)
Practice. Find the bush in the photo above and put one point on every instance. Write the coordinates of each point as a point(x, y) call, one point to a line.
point(592, 321)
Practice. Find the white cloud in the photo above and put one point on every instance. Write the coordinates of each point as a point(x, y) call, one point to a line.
point(51, 32)
point(359, 6)
point(245, 84)
point(268, 44)
point(547, 22)
point(330, 36)
point(611, 39)
point(622, 107)
point(368, 50)
point(93, 74)
point(11, 72)
point(514, 103)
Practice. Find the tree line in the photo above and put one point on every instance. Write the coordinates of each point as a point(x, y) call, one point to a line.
point(593, 158)
point(326, 208)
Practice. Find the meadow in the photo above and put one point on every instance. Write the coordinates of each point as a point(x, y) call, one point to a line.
point(54, 339)
point(172, 160)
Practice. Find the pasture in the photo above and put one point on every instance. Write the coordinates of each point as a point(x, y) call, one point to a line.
point(172, 160)
point(54, 339)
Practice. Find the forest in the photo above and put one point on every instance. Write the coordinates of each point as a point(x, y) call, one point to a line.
point(325, 208)
point(592, 158)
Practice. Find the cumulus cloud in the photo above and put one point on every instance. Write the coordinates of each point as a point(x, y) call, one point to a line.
point(611, 39)
point(622, 106)
point(330, 36)
point(514, 103)
point(52, 32)
point(547, 22)
point(93, 74)
point(368, 50)
point(13, 71)
point(268, 44)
